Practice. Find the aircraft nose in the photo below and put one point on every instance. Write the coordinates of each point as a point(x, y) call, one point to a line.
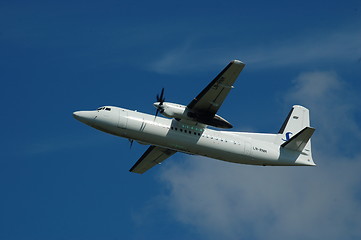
point(77, 115)
point(84, 116)
point(156, 104)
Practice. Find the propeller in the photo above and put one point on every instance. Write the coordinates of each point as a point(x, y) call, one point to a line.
point(161, 100)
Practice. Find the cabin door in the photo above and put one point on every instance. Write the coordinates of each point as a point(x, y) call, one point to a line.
point(123, 119)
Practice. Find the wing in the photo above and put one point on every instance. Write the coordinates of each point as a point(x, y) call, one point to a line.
point(211, 98)
point(153, 156)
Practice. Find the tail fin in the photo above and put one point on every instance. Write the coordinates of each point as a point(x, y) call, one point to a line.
point(295, 124)
point(297, 119)
point(295, 134)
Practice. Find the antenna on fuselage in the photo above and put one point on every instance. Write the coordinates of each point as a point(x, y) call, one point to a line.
point(131, 143)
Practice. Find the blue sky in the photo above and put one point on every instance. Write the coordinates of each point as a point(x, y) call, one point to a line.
point(60, 179)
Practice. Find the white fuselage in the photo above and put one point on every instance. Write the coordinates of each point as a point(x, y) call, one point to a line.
point(237, 147)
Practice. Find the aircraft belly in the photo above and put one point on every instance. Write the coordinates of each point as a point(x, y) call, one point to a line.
point(157, 131)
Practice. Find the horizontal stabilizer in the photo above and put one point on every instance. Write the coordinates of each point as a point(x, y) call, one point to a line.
point(299, 141)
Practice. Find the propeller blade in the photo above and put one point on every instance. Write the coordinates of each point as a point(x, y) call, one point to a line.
point(160, 98)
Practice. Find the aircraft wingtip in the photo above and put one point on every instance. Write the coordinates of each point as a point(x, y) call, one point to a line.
point(238, 62)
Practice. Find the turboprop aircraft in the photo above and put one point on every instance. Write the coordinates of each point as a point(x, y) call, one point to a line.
point(186, 129)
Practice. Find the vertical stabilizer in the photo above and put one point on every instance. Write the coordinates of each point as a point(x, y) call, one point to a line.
point(297, 119)
point(295, 134)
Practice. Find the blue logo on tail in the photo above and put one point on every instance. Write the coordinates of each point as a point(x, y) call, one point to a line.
point(288, 136)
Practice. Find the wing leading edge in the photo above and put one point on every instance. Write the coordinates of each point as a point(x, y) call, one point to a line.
point(205, 106)
point(212, 97)
point(153, 156)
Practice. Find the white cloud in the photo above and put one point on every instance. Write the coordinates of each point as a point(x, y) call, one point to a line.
point(332, 105)
point(337, 47)
point(231, 201)
point(169, 61)
point(186, 57)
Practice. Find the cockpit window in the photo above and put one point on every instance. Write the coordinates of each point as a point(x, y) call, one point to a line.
point(104, 108)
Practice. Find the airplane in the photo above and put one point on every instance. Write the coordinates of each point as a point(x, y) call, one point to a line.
point(187, 129)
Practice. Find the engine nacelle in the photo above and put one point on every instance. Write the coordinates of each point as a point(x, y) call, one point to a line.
point(179, 112)
point(173, 110)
